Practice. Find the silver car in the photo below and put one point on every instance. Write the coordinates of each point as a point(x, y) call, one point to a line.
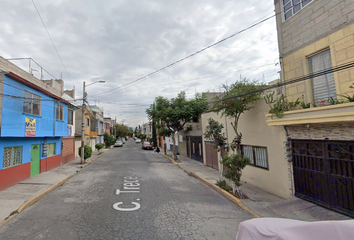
point(118, 143)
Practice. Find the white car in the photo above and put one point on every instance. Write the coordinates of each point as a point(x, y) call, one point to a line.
point(138, 140)
point(118, 143)
point(289, 229)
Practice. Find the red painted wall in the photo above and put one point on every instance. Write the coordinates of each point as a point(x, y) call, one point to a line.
point(50, 163)
point(13, 175)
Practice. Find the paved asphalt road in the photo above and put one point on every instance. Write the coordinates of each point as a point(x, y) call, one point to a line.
point(129, 193)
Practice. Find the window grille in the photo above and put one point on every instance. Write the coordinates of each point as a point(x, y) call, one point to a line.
point(258, 155)
point(12, 156)
point(323, 87)
point(51, 149)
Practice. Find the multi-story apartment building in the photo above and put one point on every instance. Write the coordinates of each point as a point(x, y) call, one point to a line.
point(33, 119)
point(316, 47)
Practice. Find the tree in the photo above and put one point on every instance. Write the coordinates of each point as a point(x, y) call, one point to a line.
point(121, 131)
point(176, 112)
point(213, 131)
point(108, 139)
point(87, 152)
point(238, 98)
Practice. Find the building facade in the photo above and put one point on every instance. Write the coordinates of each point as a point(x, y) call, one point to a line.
point(316, 47)
point(34, 118)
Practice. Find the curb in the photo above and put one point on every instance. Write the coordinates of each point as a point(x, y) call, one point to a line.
point(39, 196)
point(216, 188)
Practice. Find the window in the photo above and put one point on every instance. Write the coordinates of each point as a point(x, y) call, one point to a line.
point(60, 111)
point(258, 155)
point(87, 122)
point(12, 157)
point(290, 7)
point(70, 117)
point(87, 141)
point(32, 103)
point(323, 87)
point(51, 149)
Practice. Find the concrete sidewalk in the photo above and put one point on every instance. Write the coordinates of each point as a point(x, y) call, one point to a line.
point(17, 198)
point(260, 203)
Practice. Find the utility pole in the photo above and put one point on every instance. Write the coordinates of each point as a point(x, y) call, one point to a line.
point(83, 125)
point(115, 127)
point(154, 135)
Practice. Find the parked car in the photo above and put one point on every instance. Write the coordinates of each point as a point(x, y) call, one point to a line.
point(118, 143)
point(123, 141)
point(289, 229)
point(147, 146)
point(137, 140)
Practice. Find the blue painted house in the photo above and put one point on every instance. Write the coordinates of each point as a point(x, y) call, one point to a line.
point(33, 118)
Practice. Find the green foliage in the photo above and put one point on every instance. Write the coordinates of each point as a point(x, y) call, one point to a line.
point(224, 185)
point(333, 101)
point(173, 114)
point(304, 105)
point(99, 146)
point(238, 98)
point(347, 97)
point(87, 151)
point(213, 131)
point(108, 139)
point(233, 166)
point(280, 105)
point(122, 131)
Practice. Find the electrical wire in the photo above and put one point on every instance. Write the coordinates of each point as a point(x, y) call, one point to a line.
point(51, 39)
point(191, 55)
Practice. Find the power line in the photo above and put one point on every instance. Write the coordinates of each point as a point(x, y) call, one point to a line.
point(291, 81)
point(191, 55)
point(199, 78)
point(51, 39)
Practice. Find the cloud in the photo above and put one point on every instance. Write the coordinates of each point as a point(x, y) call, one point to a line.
point(121, 41)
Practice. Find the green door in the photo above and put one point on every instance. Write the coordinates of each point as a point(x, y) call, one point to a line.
point(35, 159)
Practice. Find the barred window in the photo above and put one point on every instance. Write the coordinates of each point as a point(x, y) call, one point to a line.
point(323, 87)
point(258, 155)
point(51, 149)
point(12, 156)
point(60, 112)
point(32, 103)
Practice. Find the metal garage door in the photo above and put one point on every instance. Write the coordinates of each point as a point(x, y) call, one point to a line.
point(324, 173)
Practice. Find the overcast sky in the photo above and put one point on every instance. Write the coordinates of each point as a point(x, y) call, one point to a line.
point(120, 41)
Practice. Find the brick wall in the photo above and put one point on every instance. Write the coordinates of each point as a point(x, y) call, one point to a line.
point(332, 131)
point(68, 151)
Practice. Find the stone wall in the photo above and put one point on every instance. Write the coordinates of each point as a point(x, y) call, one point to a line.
point(332, 131)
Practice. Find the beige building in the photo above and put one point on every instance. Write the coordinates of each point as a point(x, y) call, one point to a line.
point(269, 168)
point(316, 47)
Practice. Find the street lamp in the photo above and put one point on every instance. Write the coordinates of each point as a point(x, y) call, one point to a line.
point(83, 119)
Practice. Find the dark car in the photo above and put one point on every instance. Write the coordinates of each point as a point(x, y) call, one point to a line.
point(147, 146)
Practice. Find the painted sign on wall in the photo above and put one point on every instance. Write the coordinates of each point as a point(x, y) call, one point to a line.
point(30, 130)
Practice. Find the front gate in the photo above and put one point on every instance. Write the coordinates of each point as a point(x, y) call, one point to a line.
point(211, 155)
point(324, 173)
point(194, 148)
